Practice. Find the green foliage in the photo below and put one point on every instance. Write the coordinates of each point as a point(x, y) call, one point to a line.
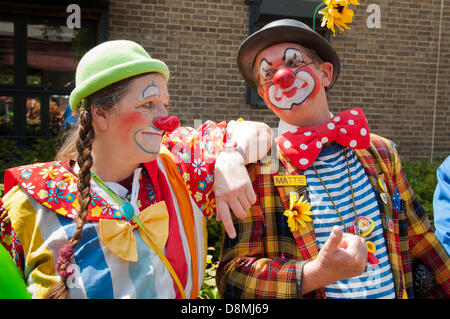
point(37, 150)
point(209, 289)
point(422, 178)
point(6, 74)
point(214, 229)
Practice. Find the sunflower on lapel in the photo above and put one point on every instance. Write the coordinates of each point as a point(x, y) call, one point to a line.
point(299, 212)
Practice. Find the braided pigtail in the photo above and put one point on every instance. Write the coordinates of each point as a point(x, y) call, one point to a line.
point(84, 159)
point(79, 144)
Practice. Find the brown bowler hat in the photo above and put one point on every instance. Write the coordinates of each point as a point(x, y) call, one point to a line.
point(284, 30)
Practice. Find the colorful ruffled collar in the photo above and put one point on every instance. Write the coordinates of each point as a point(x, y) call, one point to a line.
point(55, 187)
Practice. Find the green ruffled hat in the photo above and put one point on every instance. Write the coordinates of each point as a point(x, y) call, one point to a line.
point(110, 62)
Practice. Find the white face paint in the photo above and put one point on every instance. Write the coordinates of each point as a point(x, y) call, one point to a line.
point(301, 88)
point(148, 139)
point(131, 125)
point(296, 94)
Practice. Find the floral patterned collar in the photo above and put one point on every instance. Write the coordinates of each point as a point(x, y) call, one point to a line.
point(55, 187)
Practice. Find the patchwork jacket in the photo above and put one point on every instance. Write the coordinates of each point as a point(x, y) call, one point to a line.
point(265, 259)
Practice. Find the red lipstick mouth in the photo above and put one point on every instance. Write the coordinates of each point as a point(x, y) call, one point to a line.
point(291, 92)
point(288, 94)
point(151, 133)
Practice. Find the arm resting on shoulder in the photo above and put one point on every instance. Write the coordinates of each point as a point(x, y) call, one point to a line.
point(232, 187)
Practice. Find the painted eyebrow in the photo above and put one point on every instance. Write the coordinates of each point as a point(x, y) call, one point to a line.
point(260, 63)
point(287, 49)
point(151, 90)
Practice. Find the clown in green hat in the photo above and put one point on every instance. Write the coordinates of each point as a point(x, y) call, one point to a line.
point(121, 211)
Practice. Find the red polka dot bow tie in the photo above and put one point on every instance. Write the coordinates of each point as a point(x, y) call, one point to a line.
point(302, 145)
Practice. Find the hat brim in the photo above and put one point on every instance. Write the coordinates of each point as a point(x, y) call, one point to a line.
point(264, 38)
point(113, 75)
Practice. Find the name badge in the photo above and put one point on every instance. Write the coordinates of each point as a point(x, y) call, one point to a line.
point(290, 180)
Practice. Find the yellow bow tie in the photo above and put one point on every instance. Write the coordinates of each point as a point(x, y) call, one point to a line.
point(117, 235)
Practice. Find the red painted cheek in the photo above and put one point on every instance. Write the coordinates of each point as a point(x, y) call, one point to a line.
point(130, 121)
point(316, 83)
point(266, 97)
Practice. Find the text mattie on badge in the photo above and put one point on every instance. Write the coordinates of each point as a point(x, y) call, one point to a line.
point(290, 180)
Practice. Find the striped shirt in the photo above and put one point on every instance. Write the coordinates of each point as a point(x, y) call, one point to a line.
point(377, 280)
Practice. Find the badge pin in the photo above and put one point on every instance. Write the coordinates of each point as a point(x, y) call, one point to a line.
point(365, 225)
point(383, 198)
point(371, 248)
point(290, 180)
point(382, 184)
point(396, 199)
point(390, 224)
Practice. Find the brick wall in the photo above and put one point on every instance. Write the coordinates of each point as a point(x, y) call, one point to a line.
point(390, 72)
point(198, 40)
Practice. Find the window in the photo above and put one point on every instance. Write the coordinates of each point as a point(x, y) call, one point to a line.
point(6, 115)
point(6, 52)
point(39, 54)
point(6, 76)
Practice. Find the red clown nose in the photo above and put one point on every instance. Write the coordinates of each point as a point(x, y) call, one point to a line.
point(284, 78)
point(167, 123)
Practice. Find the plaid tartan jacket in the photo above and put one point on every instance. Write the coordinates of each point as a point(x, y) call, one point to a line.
point(265, 258)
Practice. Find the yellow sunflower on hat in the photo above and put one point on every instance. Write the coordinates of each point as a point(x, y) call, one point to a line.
point(299, 212)
point(337, 13)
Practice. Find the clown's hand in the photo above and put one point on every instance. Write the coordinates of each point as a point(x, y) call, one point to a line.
point(254, 138)
point(343, 256)
point(232, 188)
